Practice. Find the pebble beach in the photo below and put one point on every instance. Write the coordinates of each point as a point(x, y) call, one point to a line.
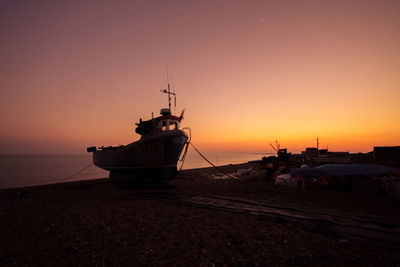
point(103, 223)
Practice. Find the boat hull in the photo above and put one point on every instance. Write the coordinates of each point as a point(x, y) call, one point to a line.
point(154, 157)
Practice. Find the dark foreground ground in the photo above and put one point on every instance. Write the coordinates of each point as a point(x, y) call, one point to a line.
point(102, 223)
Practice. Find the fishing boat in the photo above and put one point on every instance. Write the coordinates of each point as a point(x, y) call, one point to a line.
point(155, 155)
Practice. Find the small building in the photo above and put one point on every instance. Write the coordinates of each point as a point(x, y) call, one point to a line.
point(323, 153)
point(311, 152)
point(338, 154)
point(283, 154)
point(282, 151)
point(386, 153)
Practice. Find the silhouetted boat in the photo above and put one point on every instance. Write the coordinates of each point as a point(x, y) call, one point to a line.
point(154, 156)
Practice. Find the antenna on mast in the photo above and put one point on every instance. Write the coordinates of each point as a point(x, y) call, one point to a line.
point(168, 91)
point(173, 88)
point(166, 69)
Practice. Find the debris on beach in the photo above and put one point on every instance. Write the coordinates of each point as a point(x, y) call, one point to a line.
point(359, 178)
point(391, 184)
point(285, 179)
point(223, 176)
point(257, 175)
point(243, 173)
point(345, 170)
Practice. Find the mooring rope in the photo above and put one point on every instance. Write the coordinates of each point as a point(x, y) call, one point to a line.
point(76, 173)
point(219, 169)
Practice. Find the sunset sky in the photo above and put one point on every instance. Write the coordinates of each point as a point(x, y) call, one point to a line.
point(80, 73)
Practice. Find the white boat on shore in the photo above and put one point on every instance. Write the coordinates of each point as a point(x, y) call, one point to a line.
point(154, 156)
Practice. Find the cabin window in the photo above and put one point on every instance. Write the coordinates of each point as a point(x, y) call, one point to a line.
point(164, 126)
point(173, 125)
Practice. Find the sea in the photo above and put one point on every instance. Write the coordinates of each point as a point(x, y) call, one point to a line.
point(30, 170)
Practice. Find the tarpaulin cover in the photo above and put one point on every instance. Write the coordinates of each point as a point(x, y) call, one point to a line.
point(356, 169)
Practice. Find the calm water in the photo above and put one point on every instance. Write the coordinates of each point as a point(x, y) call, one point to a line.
point(27, 170)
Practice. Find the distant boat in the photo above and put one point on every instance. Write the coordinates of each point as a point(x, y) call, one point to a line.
point(154, 156)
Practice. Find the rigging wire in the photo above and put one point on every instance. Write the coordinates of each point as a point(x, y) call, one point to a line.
point(76, 173)
point(219, 169)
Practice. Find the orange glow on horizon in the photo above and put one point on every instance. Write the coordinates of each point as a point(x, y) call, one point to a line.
point(248, 73)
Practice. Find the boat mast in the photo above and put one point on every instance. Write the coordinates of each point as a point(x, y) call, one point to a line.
point(168, 91)
point(169, 97)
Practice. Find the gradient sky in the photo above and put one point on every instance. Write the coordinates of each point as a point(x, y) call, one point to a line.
point(80, 73)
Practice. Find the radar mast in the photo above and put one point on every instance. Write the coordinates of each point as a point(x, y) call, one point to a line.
point(168, 91)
